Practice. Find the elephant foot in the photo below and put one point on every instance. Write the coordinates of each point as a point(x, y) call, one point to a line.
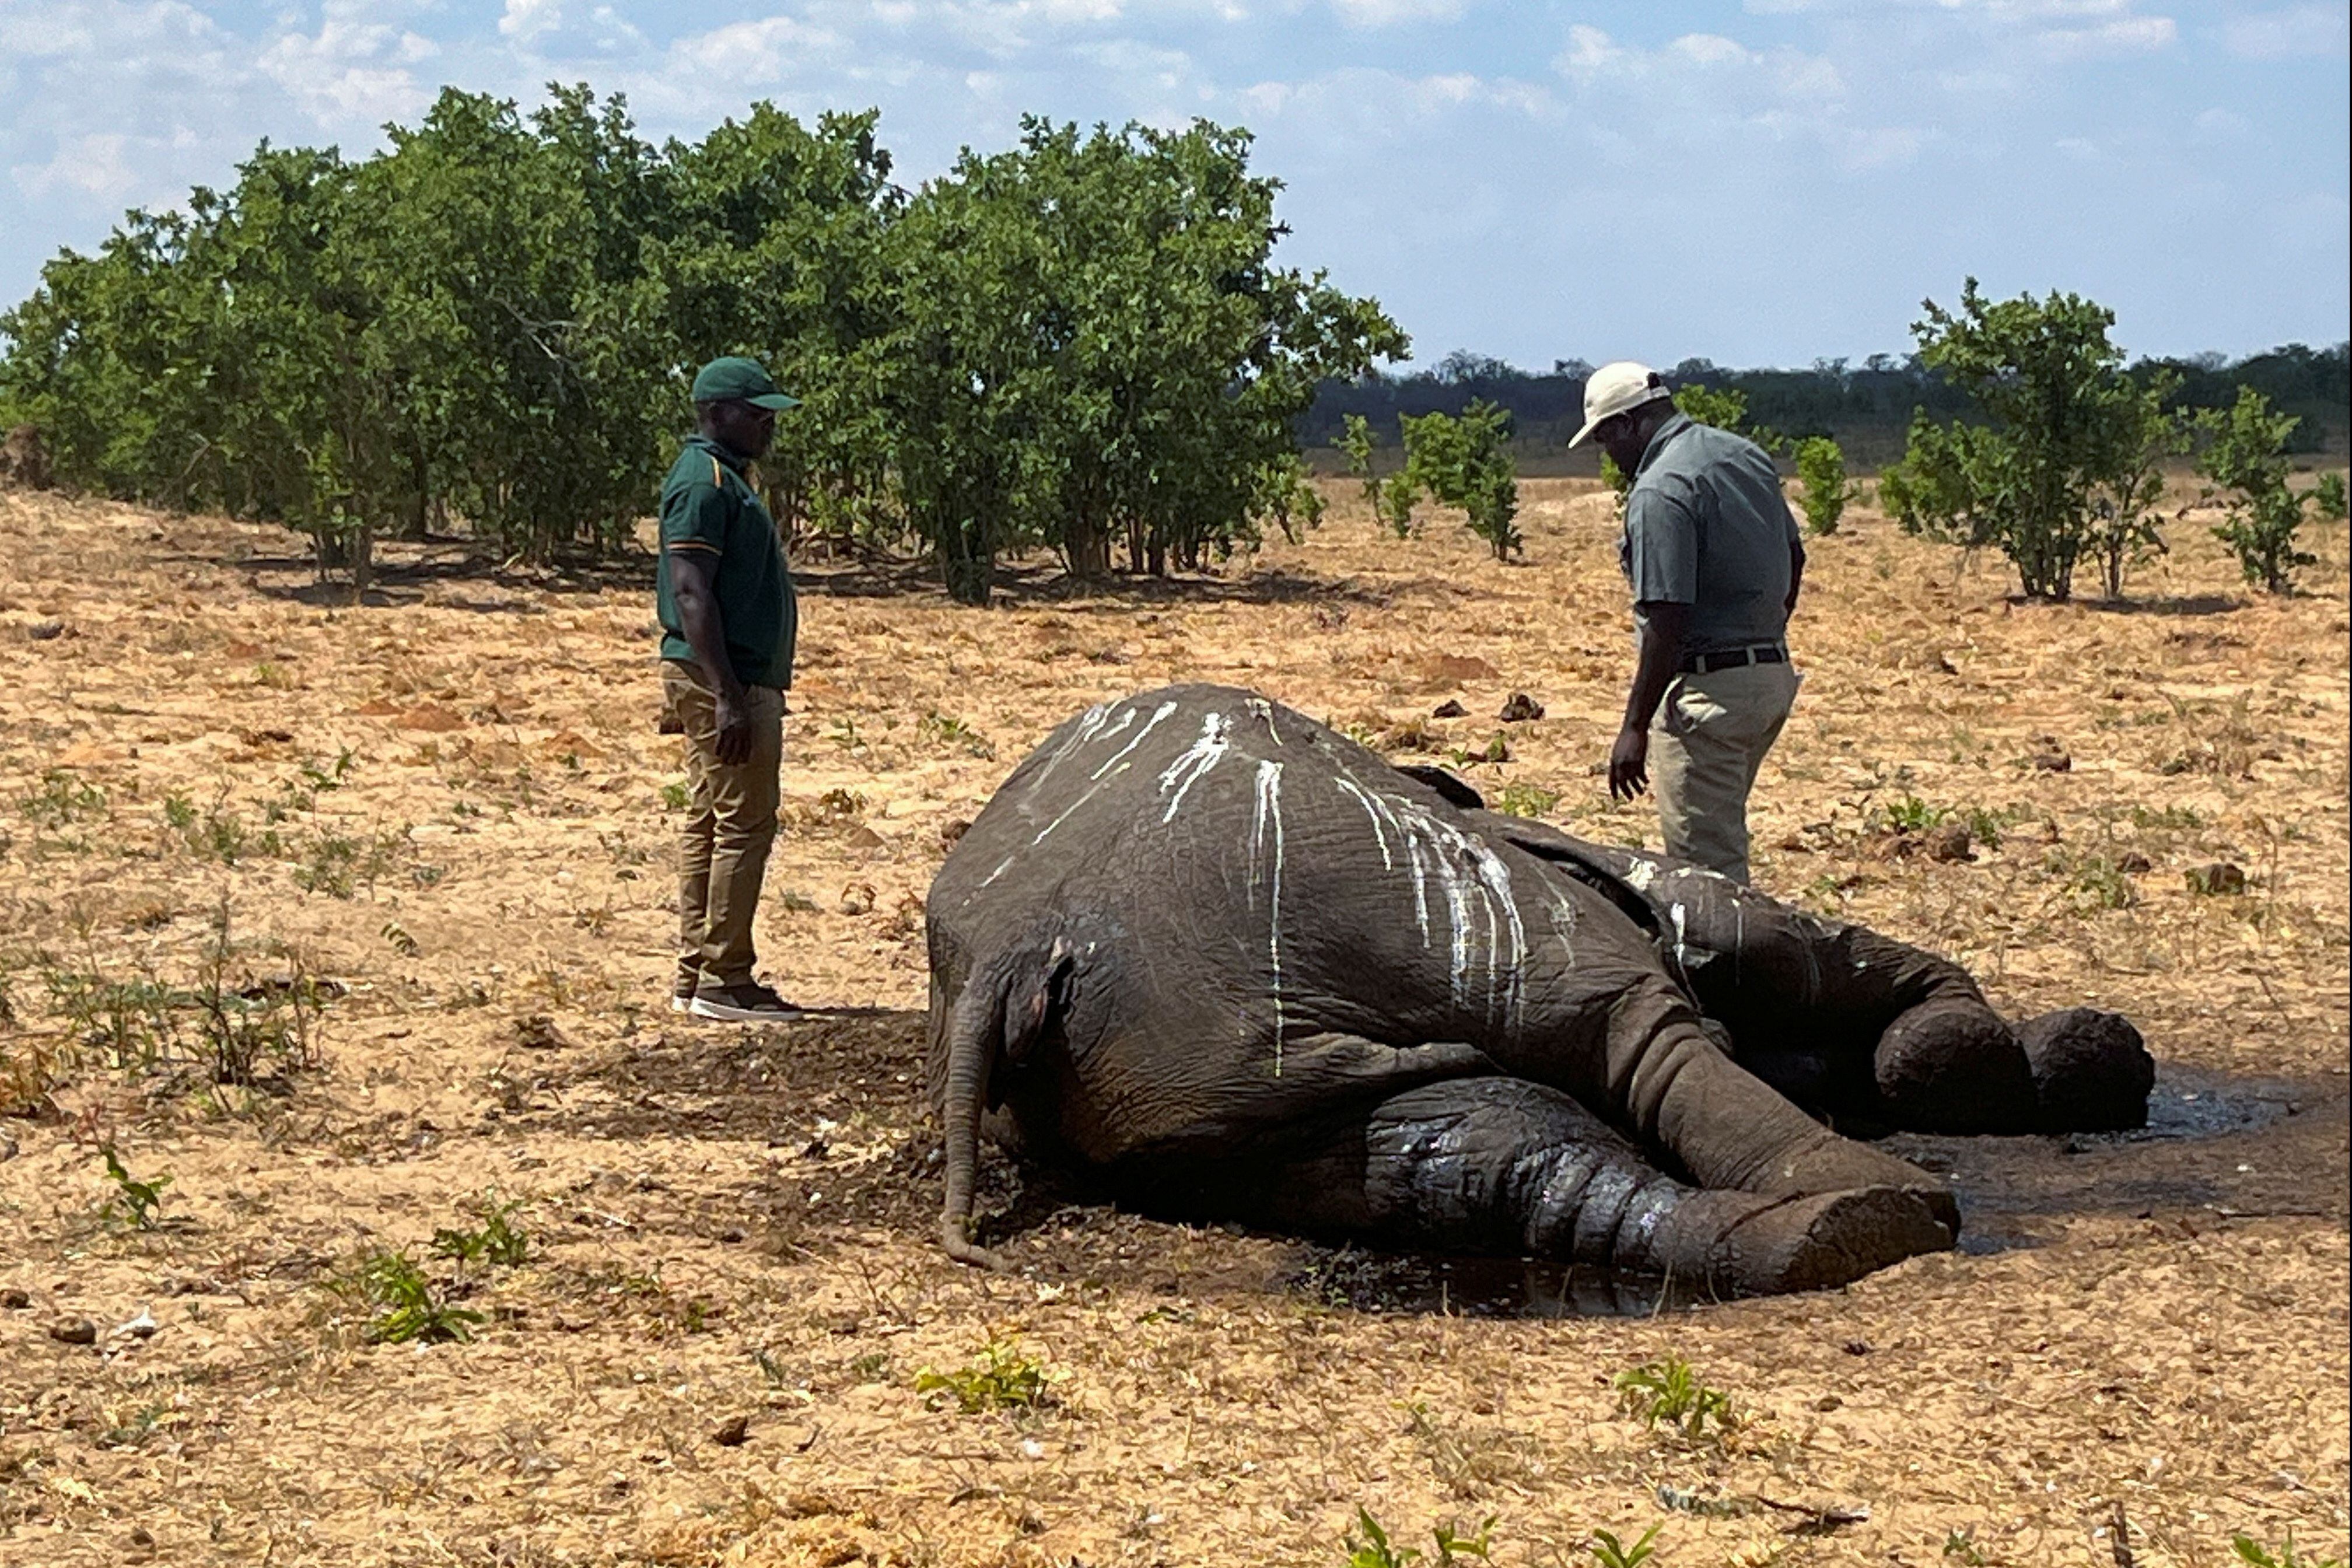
point(1740, 1244)
point(1831, 1164)
point(1954, 1067)
point(2091, 1071)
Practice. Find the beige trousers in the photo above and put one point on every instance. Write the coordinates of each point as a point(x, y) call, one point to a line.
point(1706, 744)
point(730, 823)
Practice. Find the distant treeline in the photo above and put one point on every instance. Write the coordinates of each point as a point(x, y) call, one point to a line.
point(1866, 408)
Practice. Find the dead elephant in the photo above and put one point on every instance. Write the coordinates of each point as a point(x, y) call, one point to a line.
point(1230, 963)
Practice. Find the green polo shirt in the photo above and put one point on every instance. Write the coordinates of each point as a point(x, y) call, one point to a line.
point(1707, 526)
point(709, 508)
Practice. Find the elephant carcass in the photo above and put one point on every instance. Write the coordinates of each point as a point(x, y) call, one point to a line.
point(1232, 962)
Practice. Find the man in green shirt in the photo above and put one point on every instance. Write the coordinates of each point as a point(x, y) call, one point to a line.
point(728, 618)
point(1715, 560)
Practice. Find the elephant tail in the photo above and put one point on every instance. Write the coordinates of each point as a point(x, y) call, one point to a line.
point(1002, 1009)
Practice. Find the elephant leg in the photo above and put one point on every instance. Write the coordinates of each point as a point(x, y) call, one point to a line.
point(1952, 1064)
point(1505, 1165)
point(2091, 1071)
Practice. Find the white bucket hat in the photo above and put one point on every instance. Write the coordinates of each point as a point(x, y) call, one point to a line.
point(1615, 389)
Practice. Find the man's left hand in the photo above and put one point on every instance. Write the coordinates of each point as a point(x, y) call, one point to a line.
point(1628, 763)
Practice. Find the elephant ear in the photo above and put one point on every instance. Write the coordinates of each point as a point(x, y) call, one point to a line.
point(1450, 789)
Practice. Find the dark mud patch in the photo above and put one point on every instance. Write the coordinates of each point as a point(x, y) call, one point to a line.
point(2216, 1148)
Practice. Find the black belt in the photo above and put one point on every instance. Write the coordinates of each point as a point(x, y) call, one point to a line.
point(1732, 659)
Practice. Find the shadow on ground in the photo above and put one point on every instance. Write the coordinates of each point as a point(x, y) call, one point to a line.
point(2217, 1149)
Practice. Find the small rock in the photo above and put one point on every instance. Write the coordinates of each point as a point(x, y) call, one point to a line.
point(539, 1033)
point(9, 1149)
point(857, 898)
point(1952, 841)
point(2054, 761)
point(2218, 879)
point(44, 631)
point(1857, 1347)
point(142, 1327)
point(74, 1332)
point(1520, 708)
point(1827, 1403)
point(731, 1235)
point(16, 1298)
point(1449, 709)
point(864, 837)
point(733, 1432)
point(956, 827)
point(2134, 862)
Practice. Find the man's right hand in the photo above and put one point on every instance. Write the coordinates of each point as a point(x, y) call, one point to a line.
point(734, 744)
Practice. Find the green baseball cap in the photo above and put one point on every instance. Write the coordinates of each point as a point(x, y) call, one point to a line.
point(736, 379)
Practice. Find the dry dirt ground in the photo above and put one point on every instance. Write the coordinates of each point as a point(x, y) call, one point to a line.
point(403, 867)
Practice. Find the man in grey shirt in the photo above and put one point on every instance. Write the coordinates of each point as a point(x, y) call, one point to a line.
point(1715, 560)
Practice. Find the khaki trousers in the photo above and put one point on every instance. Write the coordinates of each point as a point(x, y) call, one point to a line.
point(1706, 744)
point(730, 823)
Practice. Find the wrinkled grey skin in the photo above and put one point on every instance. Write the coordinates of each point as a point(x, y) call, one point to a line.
point(1232, 963)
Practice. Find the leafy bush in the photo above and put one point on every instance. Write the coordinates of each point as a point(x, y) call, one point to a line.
point(2327, 495)
point(2061, 431)
point(1466, 463)
point(1821, 469)
point(2245, 457)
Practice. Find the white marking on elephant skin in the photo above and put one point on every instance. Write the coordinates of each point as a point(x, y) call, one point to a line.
point(1264, 709)
point(1373, 808)
point(1681, 951)
point(1204, 753)
point(1118, 763)
point(1640, 874)
point(1269, 817)
point(1150, 724)
point(1088, 725)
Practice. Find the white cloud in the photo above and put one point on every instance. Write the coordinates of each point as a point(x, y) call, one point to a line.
point(1392, 13)
point(2125, 34)
point(752, 54)
point(2301, 31)
point(93, 166)
point(350, 72)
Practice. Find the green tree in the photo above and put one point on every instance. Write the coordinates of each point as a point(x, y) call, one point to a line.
point(1358, 442)
point(2245, 458)
point(1726, 408)
point(2138, 432)
point(2049, 389)
point(1093, 346)
point(1466, 463)
point(2327, 495)
point(1821, 469)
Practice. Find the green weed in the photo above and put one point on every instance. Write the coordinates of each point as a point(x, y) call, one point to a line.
point(1611, 1552)
point(338, 865)
point(405, 1307)
point(1003, 1378)
point(951, 732)
point(1669, 1391)
point(64, 799)
point(1912, 815)
point(2256, 1555)
point(1367, 1545)
point(135, 1202)
point(2096, 880)
point(674, 795)
point(1961, 1544)
point(1524, 800)
point(498, 1241)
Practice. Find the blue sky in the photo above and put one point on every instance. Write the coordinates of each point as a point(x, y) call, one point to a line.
point(1758, 183)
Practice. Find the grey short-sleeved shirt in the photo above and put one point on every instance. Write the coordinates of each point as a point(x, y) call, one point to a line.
point(1707, 526)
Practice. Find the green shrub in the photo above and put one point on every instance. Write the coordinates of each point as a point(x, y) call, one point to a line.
point(2245, 459)
point(1821, 469)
